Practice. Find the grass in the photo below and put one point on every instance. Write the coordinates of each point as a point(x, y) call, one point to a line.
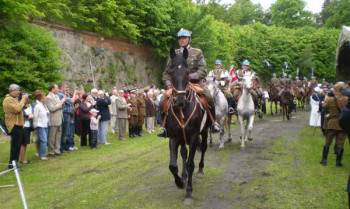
point(125, 174)
point(295, 179)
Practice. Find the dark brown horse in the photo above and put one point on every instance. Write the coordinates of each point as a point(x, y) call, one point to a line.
point(300, 96)
point(286, 102)
point(184, 122)
point(273, 97)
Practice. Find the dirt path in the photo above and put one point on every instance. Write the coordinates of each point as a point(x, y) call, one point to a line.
point(243, 166)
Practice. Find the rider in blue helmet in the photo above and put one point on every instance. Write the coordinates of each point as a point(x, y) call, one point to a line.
point(218, 62)
point(197, 73)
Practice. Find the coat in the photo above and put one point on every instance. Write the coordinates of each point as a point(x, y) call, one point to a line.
point(195, 62)
point(332, 105)
point(13, 110)
point(133, 102)
point(84, 111)
point(150, 108)
point(141, 106)
point(113, 107)
point(102, 106)
point(344, 119)
point(121, 107)
point(54, 105)
point(315, 116)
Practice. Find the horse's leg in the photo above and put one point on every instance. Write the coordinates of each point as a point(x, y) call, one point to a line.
point(211, 144)
point(250, 127)
point(240, 118)
point(246, 130)
point(229, 139)
point(173, 146)
point(271, 102)
point(183, 151)
point(222, 132)
point(283, 112)
point(204, 146)
point(190, 168)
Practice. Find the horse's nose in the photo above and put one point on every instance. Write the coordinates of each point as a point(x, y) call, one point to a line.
point(248, 90)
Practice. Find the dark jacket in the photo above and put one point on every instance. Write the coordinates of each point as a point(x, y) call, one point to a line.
point(102, 106)
point(150, 108)
point(84, 111)
point(344, 119)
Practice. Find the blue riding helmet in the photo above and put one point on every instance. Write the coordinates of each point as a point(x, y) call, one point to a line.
point(184, 33)
point(218, 62)
point(246, 62)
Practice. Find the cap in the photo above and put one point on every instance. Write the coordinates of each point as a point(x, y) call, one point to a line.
point(184, 33)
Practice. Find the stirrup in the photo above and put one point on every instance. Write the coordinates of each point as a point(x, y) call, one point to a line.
point(162, 135)
point(215, 128)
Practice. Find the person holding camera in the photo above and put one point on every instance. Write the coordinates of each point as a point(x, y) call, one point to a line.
point(27, 128)
point(55, 104)
point(102, 103)
point(14, 120)
point(333, 106)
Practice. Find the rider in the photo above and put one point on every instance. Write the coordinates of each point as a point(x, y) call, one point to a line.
point(198, 71)
point(255, 91)
point(313, 82)
point(285, 84)
point(299, 84)
point(275, 81)
point(305, 82)
point(222, 79)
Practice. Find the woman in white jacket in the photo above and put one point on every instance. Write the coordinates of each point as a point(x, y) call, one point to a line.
point(41, 123)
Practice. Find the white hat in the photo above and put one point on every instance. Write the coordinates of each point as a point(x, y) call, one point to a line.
point(317, 89)
point(93, 110)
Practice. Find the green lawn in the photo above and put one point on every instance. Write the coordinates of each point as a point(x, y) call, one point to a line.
point(295, 179)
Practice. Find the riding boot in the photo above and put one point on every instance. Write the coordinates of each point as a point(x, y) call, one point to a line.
point(324, 156)
point(231, 105)
point(164, 134)
point(139, 131)
point(134, 131)
point(256, 105)
point(130, 132)
point(215, 128)
point(339, 157)
point(335, 150)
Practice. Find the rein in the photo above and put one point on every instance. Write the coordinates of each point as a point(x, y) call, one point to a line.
point(181, 122)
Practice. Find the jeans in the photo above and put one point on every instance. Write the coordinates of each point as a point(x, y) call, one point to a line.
point(102, 132)
point(16, 140)
point(65, 131)
point(42, 141)
point(70, 141)
point(93, 143)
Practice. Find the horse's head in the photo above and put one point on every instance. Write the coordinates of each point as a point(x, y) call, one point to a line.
point(179, 75)
point(247, 82)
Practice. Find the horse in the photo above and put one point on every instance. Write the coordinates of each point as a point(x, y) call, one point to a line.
point(273, 97)
point(286, 102)
point(185, 118)
point(299, 95)
point(221, 110)
point(246, 110)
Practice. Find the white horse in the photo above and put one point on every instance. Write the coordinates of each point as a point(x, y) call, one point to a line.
point(221, 110)
point(246, 110)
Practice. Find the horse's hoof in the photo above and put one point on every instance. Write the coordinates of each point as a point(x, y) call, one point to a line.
point(180, 183)
point(250, 139)
point(229, 140)
point(211, 144)
point(188, 201)
point(221, 146)
point(200, 175)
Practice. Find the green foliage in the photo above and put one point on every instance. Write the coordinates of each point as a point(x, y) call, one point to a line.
point(290, 14)
point(29, 57)
point(336, 13)
point(18, 9)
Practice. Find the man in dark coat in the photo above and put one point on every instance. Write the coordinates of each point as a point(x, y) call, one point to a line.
point(102, 103)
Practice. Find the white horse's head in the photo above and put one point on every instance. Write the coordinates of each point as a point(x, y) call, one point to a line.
point(247, 81)
point(212, 87)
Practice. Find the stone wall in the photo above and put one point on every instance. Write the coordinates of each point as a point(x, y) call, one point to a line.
point(121, 62)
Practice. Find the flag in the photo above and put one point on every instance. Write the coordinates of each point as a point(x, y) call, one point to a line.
point(233, 76)
point(312, 71)
point(297, 71)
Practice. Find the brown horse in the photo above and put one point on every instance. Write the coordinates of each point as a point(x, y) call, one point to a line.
point(300, 96)
point(308, 93)
point(273, 96)
point(286, 102)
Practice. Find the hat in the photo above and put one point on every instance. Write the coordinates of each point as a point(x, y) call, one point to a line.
point(246, 62)
point(317, 89)
point(133, 91)
point(218, 62)
point(93, 110)
point(339, 86)
point(184, 33)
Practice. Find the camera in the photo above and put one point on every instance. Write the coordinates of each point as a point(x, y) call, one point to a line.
point(330, 93)
point(21, 94)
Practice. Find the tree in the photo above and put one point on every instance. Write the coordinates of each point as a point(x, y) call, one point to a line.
point(339, 13)
point(290, 14)
point(305, 61)
point(244, 12)
point(18, 9)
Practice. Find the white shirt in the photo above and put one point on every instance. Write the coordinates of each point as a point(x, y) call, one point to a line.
point(41, 115)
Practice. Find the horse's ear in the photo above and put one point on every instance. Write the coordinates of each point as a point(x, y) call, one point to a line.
point(185, 53)
point(172, 53)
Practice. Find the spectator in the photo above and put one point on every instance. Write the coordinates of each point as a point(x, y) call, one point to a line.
point(14, 120)
point(41, 121)
point(77, 119)
point(150, 112)
point(122, 108)
point(159, 97)
point(75, 107)
point(66, 119)
point(113, 112)
point(27, 129)
point(85, 107)
point(94, 127)
point(94, 95)
point(35, 135)
point(141, 113)
point(102, 103)
point(54, 104)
